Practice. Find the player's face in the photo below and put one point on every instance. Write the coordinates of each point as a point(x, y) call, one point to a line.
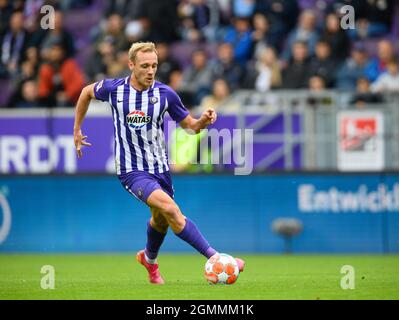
point(144, 68)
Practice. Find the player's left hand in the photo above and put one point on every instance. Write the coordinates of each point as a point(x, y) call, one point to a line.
point(209, 116)
point(79, 140)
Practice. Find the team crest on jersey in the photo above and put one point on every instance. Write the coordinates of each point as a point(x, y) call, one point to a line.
point(137, 119)
point(153, 100)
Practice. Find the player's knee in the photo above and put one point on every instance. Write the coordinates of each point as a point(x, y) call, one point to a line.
point(170, 210)
point(173, 214)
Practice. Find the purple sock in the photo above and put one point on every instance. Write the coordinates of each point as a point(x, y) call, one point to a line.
point(154, 241)
point(193, 236)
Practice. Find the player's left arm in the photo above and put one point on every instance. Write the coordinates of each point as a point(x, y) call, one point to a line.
point(208, 117)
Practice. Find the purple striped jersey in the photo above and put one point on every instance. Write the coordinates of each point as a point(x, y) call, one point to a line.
point(138, 123)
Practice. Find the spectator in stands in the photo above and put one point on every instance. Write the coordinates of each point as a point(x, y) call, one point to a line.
point(226, 67)
point(322, 64)
point(243, 8)
point(239, 36)
point(352, 69)
point(364, 95)
point(197, 77)
point(265, 73)
point(6, 10)
point(60, 79)
point(166, 64)
point(175, 79)
point(113, 33)
point(373, 19)
point(213, 31)
point(187, 97)
point(335, 6)
point(188, 32)
point(137, 30)
point(260, 34)
point(282, 15)
point(162, 19)
point(296, 75)
point(117, 66)
point(337, 38)
point(218, 97)
point(31, 14)
point(128, 9)
point(109, 56)
point(225, 12)
point(96, 68)
point(197, 20)
point(44, 39)
point(32, 58)
point(28, 97)
point(305, 32)
point(317, 83)
point(386, 53)
point(389, 80)
point(13, 45)
point(125, 23)
point(27, 73)
point(74, 4)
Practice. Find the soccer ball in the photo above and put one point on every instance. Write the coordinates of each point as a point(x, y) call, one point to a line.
point(221, 268)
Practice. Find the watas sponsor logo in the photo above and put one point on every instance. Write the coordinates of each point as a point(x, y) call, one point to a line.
point(137, 119)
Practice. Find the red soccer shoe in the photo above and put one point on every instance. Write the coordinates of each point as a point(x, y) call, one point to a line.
point(153, 270)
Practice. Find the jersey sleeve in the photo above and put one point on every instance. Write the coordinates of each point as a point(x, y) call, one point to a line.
point(102, 89)
point(176, 109)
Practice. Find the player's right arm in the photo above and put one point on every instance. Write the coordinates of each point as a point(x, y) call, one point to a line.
point(100, 91)
point(80, 112)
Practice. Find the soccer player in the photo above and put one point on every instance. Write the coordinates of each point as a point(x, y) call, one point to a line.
point(138, 106)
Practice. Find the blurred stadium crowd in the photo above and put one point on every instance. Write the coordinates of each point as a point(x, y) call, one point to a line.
point(207, 48)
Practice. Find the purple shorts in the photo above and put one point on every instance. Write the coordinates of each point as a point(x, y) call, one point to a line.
point(141, 184)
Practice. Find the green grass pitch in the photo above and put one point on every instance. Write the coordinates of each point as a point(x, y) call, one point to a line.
point(119, 276)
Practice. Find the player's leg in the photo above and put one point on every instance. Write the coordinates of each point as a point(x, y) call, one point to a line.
point(141, 185)
point(182, 226)
point(158, 221)
point(157, 228)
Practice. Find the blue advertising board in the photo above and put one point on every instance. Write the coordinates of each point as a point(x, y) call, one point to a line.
point(346, 213)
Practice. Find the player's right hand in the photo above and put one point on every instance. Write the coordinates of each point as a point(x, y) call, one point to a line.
point(79, 140)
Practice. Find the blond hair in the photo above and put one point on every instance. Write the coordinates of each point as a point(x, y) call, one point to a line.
point(141, 47)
